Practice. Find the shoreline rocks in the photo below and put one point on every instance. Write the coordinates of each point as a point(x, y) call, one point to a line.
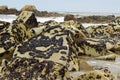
point(5, 10)
point(53, 51)
point(29, 8)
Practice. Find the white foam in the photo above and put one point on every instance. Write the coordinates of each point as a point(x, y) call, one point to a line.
point(7, 18)
point(43, 19)
point(91, 24)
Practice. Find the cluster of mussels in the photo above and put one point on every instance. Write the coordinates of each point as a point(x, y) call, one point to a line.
point(30, 50)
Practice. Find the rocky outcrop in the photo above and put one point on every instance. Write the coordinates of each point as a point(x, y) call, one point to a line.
point(51, 50)
point(76, 26)
point(102, 74)
point(69, 17)
point(29, 8)
point(3, 8)
point(96, 19)
point(107, 57)
point(6, 10)
point(3, 25)
point(28, 18)
point(13, 34)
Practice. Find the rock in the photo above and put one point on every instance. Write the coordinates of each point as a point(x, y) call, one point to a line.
point(107, 57)
point(117, 46)
point(118, 76)
point(29, 69)
point(42, 26)
point(96, 75)
point(69, 17)
point(13, 10)
point(89, 47)
point(94, 46)
point(96, 19)
point(3, 24)
point(109, 45)
point(3, 8)
point(84, 66)
point(29, 8)
point(37, 30)
point(49, 44)
point(100, 31)
point(116, 23)
point(48, 14)
point(10, 36)
point(50, 23)
point(28, 18)
point(75, 26)
point(40, 51)
point(13, 34)
point(72, 23)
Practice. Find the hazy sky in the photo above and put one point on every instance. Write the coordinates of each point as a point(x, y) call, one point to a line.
point(67, 5)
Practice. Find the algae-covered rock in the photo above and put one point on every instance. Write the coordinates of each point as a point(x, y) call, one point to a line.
point(30, 69)
point(42, 26)
point(107, 57)
point(28, 18)
point(96, 75)
point(92, 47)
point(11, 36)
point(55, 45)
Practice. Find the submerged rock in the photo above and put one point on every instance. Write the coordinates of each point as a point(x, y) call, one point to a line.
point(84, 66)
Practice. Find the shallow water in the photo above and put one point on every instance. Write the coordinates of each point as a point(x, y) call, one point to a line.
point(114, 66)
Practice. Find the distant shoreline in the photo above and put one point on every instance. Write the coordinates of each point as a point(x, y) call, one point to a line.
point(91, 13)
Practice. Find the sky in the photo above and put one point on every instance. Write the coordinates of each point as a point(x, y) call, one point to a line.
point(67, 5)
